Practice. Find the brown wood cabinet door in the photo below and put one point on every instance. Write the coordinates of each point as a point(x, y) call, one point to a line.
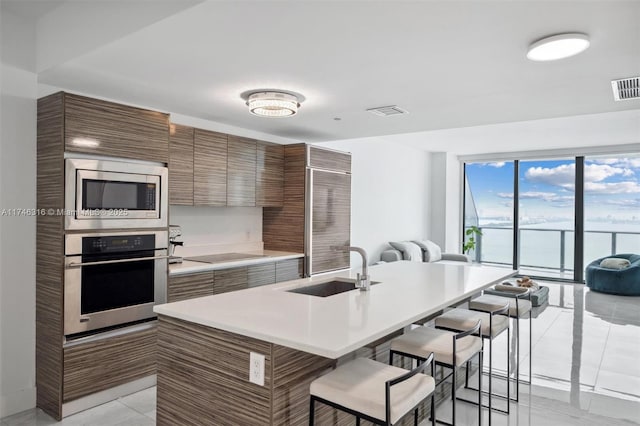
point(320, 158)
point(241, 172)
point(94, 126)
point(262, 274)
point(226, 280)
point(184, 287)
point(284, 228)
point(269, 174)
point(181, 165)
point(209, 168)
point(290, 269)
point(96, 366)
point(331, 220)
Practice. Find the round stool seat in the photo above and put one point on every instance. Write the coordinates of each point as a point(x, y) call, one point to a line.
point(421, 341)
point(489, 303)
point(359, 385)
point(463, 319)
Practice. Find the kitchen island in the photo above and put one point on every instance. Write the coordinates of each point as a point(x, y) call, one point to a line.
point(204, 344)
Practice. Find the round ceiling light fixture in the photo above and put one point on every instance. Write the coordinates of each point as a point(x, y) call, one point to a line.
point(273, 104)
point(558, 46)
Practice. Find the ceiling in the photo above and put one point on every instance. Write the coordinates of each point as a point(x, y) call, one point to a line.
point(451, 64)
point(31, 9)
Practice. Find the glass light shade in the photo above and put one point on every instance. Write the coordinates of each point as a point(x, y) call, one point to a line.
point(273, 104)
point(559, 46)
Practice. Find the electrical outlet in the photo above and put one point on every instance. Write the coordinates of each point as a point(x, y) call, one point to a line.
point(256, 368)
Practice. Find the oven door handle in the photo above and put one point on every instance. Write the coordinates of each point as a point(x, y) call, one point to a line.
point(109, 262)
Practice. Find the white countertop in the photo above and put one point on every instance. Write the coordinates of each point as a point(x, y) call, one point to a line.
point(190, 267)
point(336, 325)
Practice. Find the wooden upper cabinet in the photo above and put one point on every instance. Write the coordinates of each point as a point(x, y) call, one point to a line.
point(210, 168)
point(320, 158)
point(93, 126)
point(241, 172)
point(269, 174)
point(181, 165)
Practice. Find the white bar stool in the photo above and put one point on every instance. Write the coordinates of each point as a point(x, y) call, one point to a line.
point(370, 390)
point(493, 324)
point(451, 350)
point(519, 306)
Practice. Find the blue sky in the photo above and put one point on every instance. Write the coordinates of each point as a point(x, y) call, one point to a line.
point(612, 189)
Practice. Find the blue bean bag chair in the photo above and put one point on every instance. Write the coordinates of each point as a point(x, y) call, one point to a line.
point(624, 281)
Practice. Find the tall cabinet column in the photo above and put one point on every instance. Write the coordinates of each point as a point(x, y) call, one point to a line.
point(316, 213)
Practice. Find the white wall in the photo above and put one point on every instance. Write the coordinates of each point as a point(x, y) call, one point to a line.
point(217, 229)
point(445, 201)
point(389, 193)
point(18, 90)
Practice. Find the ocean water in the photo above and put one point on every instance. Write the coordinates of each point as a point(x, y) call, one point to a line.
point(541, 244)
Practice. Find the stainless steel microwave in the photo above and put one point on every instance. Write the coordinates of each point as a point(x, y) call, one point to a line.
point(102, 194)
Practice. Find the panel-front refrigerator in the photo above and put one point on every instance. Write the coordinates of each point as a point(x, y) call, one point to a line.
point(328, 220)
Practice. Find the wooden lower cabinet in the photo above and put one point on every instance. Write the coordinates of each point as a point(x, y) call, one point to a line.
point(95, 366)
point(201, 284)
point(263, 274)
point(184, 287)
point(290, 269)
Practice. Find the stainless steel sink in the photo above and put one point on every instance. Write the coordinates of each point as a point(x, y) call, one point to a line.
point(329, 288)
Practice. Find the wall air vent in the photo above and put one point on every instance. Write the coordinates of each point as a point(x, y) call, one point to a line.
point(386, 111)
point(626, 88)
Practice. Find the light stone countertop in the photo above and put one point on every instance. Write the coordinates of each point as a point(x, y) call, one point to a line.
point(336, 325)
point(191, 267)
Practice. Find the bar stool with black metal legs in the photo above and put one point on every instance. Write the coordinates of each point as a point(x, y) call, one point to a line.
point(519, 305)
point(373, 391)
point(493, 324)
point(451, 350)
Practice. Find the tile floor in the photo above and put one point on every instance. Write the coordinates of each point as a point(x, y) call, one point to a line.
point(586, 372)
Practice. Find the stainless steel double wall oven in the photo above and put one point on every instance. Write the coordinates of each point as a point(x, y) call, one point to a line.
point(116, 241)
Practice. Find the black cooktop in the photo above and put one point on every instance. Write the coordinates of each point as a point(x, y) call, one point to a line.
point(223, 257)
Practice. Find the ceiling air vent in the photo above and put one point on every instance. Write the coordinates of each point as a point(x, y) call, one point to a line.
point(626, 88)
point(386, 111)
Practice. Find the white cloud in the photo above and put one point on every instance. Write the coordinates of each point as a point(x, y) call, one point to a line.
point(546, 196)
point(599, 172)
point(612, 187)
point(625, 204)
point(629, 162)
point(535, 195)
point(563, 176)
point(496, 164)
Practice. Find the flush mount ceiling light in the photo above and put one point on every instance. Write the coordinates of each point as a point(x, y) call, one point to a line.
point(273, 104)
point(558, 46)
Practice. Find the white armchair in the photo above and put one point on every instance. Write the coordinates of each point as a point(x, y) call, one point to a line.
point(420, 251)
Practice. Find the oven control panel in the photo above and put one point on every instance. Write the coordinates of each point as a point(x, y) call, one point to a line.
point(119, 243)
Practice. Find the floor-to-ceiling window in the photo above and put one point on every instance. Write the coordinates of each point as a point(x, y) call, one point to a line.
point(489, 199)
point(546, 217)
point(537, 234)
point(611, 205)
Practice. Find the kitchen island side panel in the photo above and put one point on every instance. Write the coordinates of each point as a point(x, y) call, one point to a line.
point(203, 377)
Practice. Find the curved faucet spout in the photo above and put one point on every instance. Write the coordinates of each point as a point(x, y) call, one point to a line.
point(362, 282)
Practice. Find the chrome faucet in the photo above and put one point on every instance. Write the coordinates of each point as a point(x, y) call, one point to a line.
point(363, 282)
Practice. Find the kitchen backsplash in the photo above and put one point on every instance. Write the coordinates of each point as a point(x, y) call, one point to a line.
point(211, 230)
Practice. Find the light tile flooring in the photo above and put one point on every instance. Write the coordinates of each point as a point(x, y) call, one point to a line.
point(586, 370)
